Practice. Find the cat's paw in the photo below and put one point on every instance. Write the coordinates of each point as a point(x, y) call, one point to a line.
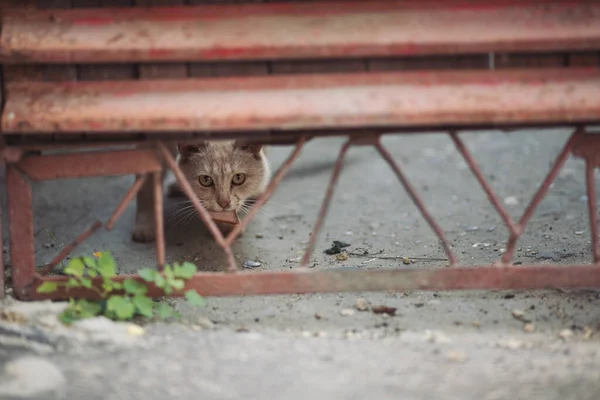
point(143, 232)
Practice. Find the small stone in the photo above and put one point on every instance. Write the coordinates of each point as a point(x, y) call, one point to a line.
point(519, 315)
point(405, 260)
point(566, 334)
point(511, 201)
point(528, 328)
point(306, 334)
point(343, 256)
point(587, 333)
point(346, 312)
point(579, 232)
point(348, 233)
point(318, 316)
point(472, 228)
point(259, 236)
point(205, 323)
point(476, 324)
point(135, 330)
point(361, 304)
point(251, 264)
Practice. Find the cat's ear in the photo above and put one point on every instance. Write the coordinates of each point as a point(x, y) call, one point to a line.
point(251, 147)
point(187, 149)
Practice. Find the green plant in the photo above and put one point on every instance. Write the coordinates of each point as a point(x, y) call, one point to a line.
point(121, 300)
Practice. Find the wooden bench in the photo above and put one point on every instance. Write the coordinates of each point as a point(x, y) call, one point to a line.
point(290, 108)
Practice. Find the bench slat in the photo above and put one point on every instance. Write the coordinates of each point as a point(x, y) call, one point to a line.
point(299, 30)
point(306, 102)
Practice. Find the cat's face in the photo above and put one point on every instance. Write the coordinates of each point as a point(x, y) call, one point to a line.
point(224, 174)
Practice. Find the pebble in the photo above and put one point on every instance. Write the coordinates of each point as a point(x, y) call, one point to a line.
point(579, 232)
point(135, 330)
point(343, 256)
point(346, 312)
point(405, 260)
point(511, 201)
point(528, 328)
point(361, 304)
point(251, 264)
point(566, 334)
point(32, 377)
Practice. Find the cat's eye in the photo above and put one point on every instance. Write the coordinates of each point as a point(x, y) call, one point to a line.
point(238, 179)
point(205, 180)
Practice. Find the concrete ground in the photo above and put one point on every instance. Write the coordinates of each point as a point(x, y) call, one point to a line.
point(455, 345)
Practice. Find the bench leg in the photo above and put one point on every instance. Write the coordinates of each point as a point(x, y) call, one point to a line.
point(20, 218)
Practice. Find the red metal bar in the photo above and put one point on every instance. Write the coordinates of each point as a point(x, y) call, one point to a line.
point(418, 202)
point(397, 279)
point(204, 215)
point(2, 271)
point(158, 219)
point(68, 249)
point(593, 212)
point(131, 193)
point(20, 219)
point(484, 184)
point(337, 169)
point(298, 30)
point(539, 195)
point(88, 164)
point(310, 102)
point(266, 195)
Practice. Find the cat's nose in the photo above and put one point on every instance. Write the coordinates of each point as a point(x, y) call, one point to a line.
point(224, 202)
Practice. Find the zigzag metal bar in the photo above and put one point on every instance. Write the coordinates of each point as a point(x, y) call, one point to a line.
point(460, 146)
point(325, 204)
point(539, 195)
point(189, 192)
point(593, 212)
point(418, 202)
point(266, 195)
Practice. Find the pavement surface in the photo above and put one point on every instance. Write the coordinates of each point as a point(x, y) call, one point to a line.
point(442, 345)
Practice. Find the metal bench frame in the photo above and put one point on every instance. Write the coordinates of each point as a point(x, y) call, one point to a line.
point(147, 163)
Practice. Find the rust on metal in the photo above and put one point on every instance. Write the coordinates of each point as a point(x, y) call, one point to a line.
point(45, 270)
point(88, 164)
point(297, 30)
point(158, 218)
point(131, 193)
point(328, 101)
point(412, 193)
point(539, 195)
point(402, 279)
point(20, 220)
point(592, 209)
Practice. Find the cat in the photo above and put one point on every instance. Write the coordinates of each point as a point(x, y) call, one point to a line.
point(223, 174)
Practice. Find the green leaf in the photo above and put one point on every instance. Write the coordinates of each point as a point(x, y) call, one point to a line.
point(194, 298)
point(106, 265)
point(177, 284)
point(89, 309)
point(185, 271)
point(72, 282)
point(67, 317)
point(86, 283)
point(165, 311)
point(132, 286)
point(169, 276)
point(89, 262)
point(148, 274)
point(47, 287)
point(121, 306)
point(75, 267)
point(144, 305)
point(159, 281)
